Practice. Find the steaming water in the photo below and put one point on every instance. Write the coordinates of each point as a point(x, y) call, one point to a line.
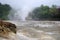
point(36, 30)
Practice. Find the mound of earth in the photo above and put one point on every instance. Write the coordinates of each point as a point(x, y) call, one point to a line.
point(6, 28)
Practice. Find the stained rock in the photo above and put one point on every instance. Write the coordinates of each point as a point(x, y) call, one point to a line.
point(6, 28)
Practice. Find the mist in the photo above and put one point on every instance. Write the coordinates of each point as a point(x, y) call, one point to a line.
point(23, 7)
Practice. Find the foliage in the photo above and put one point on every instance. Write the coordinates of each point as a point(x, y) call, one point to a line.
point(4, 11)
point(45, 13)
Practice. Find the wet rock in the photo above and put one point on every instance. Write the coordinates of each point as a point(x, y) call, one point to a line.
point(6, 28)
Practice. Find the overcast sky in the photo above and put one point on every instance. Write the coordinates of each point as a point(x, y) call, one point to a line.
point(26, 5)
point(29, 3)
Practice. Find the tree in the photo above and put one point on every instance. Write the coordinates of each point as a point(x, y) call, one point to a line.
point(45, 13)
point(4, 11)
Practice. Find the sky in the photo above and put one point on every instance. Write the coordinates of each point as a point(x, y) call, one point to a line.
point(24, 6)
point(29, 3)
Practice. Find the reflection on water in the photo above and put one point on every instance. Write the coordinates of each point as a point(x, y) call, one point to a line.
point(35, 30)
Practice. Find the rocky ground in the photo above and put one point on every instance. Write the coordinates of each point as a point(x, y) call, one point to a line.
point(6, 28)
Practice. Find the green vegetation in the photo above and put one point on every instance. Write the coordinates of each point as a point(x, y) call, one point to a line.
point(45, 13)
point(4, 11)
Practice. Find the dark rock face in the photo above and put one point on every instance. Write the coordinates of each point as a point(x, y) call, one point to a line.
point(6, 28)
point(10, 26)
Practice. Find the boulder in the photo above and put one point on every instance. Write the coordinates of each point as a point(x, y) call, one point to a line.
point(6, 28)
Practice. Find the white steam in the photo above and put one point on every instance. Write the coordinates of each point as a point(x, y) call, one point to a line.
point(25, 10)
point(19, 14)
